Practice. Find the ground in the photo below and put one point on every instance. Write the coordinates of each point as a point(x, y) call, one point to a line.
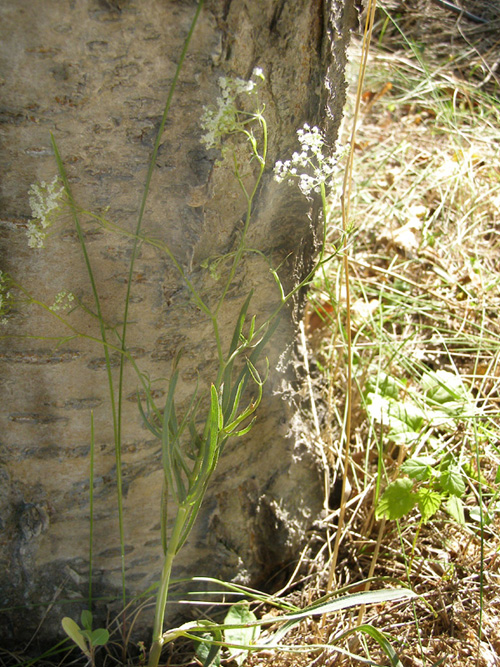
point(422, 240)
point(424, 303)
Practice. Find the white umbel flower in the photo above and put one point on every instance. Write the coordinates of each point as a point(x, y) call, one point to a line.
point(45, 201)
point(310, 167)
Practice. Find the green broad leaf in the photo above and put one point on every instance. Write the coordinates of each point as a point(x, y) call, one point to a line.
point(240, 614)
point(419, 467)
point(455, 509)
point(475, 515)
point(405, 420)
point(471, 472)
point(412, 418)
point(446, 389)
point(74, 633)
point(397, 500)
point(497, 476)
point(429, 502)
point(99, 637)
point(452, 480)
point(208, 654)
point(383, 384)
point(86, 619)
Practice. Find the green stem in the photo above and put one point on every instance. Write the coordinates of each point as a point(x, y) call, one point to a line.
point(81, 238)
point(135, 250)
point(161, 598)
point(241, 247)
point(91, 508)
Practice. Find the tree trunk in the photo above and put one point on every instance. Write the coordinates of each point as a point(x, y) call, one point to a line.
point(96, 73)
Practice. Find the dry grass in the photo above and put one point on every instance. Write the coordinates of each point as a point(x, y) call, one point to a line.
point(425, 297)
point(425, 276)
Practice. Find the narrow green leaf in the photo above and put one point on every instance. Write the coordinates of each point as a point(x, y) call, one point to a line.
point(243, 431)
point(382, 641)
point(239, 324)
point(339, 604)
point(240, 614)
point(397, 500)
point(86, 619)
point(235, 401)
point(164, 515)
point(147, 423)
point(74, 633)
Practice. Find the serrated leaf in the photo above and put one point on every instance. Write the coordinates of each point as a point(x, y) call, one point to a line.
point(429, 502)
point(74, 633)
point(452, 480)
point(419, 467)
point(99, 637)
point(240, 614)
point(397, 500)
point(455, 508)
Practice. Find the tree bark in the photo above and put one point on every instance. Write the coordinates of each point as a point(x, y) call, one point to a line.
point(96, 74)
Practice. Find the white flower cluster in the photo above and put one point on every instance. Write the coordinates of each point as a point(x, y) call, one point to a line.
point(311, 157)
point(5, 297)
point(63, 301)
point(45, 200)
point(223, 119)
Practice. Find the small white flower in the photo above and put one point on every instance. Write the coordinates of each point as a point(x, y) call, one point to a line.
point(6, 298)
point(319, 168)
point(45, 201)
point(63, 301)
point(223, 119)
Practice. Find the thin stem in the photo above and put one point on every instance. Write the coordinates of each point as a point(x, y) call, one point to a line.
point(241, 247)
point(91, 502)
point(345, 202)
point(142, 209)
point(81, 238)
point(161, 599)
point(136, 243)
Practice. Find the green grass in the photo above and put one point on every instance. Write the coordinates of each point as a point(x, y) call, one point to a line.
point(424, 304)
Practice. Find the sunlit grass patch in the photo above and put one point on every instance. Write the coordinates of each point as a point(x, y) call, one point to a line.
point(424, 260)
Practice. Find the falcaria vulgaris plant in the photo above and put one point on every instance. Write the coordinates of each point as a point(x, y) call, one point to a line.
point(191, 440)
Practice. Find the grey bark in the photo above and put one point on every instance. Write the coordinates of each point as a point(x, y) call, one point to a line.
point(96, 74)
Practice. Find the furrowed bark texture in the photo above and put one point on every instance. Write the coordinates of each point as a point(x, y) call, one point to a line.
point(96, 74)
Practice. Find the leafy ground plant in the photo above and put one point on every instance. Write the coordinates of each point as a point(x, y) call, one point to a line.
point(191, 440)
point(84, 637)
point(423, 467)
